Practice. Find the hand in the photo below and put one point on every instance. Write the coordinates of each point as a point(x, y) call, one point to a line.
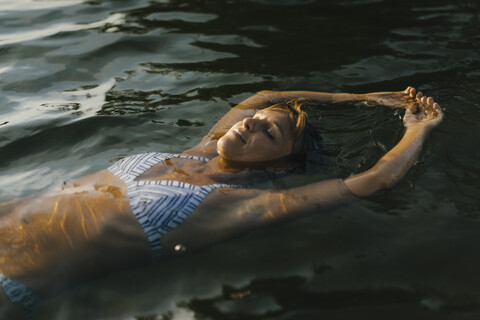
point(429, 113)
point(391, 99)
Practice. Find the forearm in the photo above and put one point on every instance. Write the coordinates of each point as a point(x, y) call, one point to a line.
point(394, 164)
point(320, 97)
point(391, 168)
point(267, 98)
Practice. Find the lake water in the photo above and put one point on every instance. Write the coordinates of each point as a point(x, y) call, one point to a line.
point(86, 82)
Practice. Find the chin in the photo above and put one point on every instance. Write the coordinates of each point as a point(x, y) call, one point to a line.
point(224, 148)
point(220, 147)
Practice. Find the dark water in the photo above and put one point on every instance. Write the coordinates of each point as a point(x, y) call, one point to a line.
point(85, 82)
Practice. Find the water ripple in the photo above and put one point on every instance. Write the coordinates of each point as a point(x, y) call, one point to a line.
point(24, 36)
point(6, 7)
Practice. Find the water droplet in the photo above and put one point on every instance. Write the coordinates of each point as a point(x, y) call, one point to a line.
point(180, 248)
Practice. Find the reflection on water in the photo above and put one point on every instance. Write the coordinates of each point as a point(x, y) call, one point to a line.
point(287, 294)
point(23, 36)
point(282, 298)
point(85, 82)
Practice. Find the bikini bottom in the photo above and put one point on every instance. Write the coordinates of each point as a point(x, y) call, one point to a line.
point(19, 293)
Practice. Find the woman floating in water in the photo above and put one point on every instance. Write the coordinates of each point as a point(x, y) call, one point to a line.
point(155, 205)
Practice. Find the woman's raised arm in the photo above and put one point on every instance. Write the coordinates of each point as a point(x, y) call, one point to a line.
point(233, 212)
point(278, 206)
point(267, 98)
point(391, 168)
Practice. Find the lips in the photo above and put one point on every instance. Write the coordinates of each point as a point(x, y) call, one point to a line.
point(236, 133)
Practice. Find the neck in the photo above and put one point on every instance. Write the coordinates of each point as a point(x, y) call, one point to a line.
point(226, 171)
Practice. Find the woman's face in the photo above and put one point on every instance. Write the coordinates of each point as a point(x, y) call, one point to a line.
point(265, 136)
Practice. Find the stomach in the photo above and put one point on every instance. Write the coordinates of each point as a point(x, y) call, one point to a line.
point(75, 232)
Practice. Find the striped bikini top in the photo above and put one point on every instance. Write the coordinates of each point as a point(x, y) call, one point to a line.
point(160, 206)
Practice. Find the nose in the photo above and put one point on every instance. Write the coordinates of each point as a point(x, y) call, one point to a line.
point(250, 124)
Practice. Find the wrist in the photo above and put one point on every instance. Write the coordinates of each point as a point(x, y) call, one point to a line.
point(417, 132)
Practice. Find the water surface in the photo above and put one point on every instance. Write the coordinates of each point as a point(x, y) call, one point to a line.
point(86, 82)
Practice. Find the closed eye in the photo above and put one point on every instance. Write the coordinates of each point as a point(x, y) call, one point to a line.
point(268, 134)
point(267, 127)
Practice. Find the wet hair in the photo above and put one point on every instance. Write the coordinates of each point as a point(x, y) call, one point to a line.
point(305, 136)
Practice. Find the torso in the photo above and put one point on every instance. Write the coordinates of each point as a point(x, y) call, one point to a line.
point(85, 228)
point(70, 234)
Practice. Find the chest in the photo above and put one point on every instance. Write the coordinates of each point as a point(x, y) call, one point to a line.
point(177, 169)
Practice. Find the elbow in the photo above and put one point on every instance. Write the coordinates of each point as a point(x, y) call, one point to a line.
point(265, 93)
point(370, 182)
point(386, 180)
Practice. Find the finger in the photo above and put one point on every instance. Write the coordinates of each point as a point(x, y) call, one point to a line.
point(412, 92)
point(438, 110)
point(429, 112)
point(430, 101)
point(423, 99)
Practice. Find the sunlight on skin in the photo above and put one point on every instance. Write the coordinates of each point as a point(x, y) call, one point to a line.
point(286, 201)
point(258, 138)
point(62, 226)
point(86, 228)
point(31, 240)
point(393, 165)
point(282, 207)
point(281, 203)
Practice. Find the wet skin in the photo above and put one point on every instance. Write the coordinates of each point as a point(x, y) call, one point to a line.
point(86, 228)
point(265, 136)
point(70, 234)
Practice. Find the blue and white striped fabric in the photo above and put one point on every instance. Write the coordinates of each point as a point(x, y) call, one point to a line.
point(160, 206)
point(19, 293)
